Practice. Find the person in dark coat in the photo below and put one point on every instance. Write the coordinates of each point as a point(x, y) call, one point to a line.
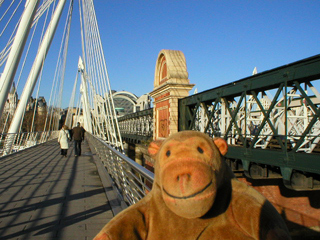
point(78, 135)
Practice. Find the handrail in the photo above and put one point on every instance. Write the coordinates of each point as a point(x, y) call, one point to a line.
point(131, 179)
point(24, 140)
point(137, 127)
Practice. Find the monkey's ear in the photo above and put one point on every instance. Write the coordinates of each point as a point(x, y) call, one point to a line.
point(154, 147)
point(221, 145)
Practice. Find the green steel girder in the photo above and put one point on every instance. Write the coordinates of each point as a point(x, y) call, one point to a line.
point(233, 118)
point(147, 112)
point(210, 116)
point(192, 113)
point(291, 75)
point(134, 138)
point(300, 161)
point(266, 117)
point(301, 71)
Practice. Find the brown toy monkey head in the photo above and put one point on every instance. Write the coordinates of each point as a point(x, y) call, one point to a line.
point(188, 171)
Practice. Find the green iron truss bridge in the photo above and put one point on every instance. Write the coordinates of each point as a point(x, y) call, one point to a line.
point(271, 121)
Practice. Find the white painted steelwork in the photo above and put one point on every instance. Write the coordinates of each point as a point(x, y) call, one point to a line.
point(129, 177)
point(250, 117)
point(99, 102)
point(21, 141)
point(34, 73)
point(139, 125)
point(84, 97)
point(17, 47)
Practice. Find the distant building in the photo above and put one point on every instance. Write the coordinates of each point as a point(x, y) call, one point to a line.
point(9, 109)
point(74, 110)
point(40, 103)
point(126, 102)
point(12, 102)
point(143, 102)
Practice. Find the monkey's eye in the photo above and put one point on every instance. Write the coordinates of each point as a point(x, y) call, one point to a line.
point(168, 153)
point(200, 150)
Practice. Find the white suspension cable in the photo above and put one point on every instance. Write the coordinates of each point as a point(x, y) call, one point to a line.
point(5, 27)
point(83, 73)
point(71, 103)
point(32, 128)
point(44, 6)
point(95, 75)
point(5, 52)
point(66, 36)
point(91, 64)
point(52, 99)
point(77, 115)
point(12, 2)
point(25, 58)
point(36, 104)
point(89, 45)
point(99, 72)
point(60, 68)
point(41, 70)
point(32, 78)
point(15, 53)
point(95, 61)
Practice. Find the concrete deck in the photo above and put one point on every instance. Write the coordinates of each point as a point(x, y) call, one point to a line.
point(46, 196)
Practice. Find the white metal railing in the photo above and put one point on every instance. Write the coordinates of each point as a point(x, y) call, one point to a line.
point(131, 179)
point(138, 123)
point(21, 141)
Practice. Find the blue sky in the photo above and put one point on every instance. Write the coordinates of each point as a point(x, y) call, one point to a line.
point(222, 40)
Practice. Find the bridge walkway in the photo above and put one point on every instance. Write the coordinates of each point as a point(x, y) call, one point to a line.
point(44, 195)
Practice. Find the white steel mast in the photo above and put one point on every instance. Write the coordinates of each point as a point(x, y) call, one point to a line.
point(34, 73)
point(16, 51)
point(84, 97)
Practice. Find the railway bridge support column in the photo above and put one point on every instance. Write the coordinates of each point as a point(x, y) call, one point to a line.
point(170, 84)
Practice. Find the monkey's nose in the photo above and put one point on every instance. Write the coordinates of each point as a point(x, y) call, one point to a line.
point(184, 177)
point(184, 181)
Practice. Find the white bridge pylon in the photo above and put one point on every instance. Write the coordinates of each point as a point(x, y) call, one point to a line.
point(84, 97)
point(97, 110)
point(36, 68)
point(12, 63)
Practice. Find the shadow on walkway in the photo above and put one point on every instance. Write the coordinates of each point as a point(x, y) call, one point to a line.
point(46, 196)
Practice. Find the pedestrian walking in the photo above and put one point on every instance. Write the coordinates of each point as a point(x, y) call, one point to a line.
point(78, 136)
point(63, 138)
